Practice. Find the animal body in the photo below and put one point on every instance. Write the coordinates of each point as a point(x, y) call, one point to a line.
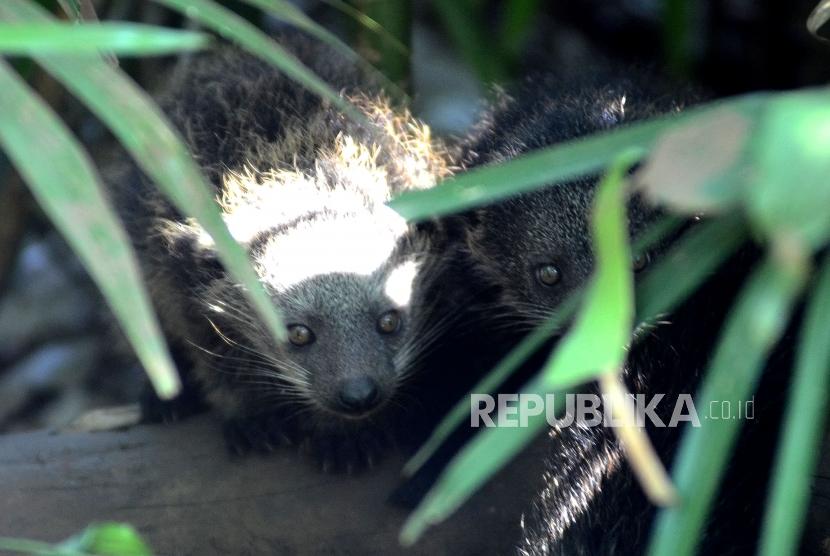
point(303, 188)
point(535, 249)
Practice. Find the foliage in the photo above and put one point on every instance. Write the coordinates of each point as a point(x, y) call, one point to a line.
point(102, 539)
point(757, 164)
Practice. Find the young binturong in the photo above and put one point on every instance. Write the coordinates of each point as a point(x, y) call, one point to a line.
point(535, 250)
point(303, 188)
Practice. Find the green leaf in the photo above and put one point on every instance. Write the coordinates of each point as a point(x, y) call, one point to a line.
point(559, 316)
point(235, 28)
point(752, 329)
point(701, 165)
point(801, 433)
point(109, 539)
point(517, 23)
point(791, 168)
point(480, 458)
point(688, 263)
point(464, 22)
point(289, 13)
point(103, 539)
point(494, 379)
point(370, 24)
point(89, 38)
point(63, 181)
point(158, 150)
point(596, 343)
point(395, 16)
point(581, 355)
point(556, 164)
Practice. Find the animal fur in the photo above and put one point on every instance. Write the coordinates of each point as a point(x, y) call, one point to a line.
point(590, 503)
point(303, 188)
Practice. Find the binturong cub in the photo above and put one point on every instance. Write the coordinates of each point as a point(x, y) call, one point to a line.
point(303, 188)
point(535, 250)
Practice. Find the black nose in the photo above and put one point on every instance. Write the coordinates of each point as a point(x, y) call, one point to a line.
point(359, 394)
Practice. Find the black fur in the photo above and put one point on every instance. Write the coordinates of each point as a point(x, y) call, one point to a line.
point(303, 188)
point(590, 503)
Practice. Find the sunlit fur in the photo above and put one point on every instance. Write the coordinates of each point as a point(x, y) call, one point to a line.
point(303, 188)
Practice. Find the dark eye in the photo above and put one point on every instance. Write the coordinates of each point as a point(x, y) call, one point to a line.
point(639, 262)
point(389, 322)
point(300, 335)
point(548, 275)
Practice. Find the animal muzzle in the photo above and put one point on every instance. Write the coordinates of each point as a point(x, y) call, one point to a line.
point(358, 395)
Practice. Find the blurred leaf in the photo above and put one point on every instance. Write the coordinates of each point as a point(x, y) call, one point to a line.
point(121, 38)
point(395, 16)
point(464, 23)
point(104, 539)
point(752, 329)
point(556, 164)
point(688, 263)
point(559, 316)
point(108, 539)
point(369, 24)
point(158, 150)
point(494, 378)
point(582, 354)
point(62, 179)
point(479, 460)
point(800, 444)
point(602, 329)
point(818, 18)
point(641, 455)
point(284, 10)
point(677, 16)
point(790, 151)
point(700, 165)
point(235, 28)
point(519, 17)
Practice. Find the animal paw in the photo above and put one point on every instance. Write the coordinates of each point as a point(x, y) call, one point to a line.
point(261, 434)
point(156, 410)
point(349, 453)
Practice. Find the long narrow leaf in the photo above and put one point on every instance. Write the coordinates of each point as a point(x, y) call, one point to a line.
point(552, 165)
point(143, 130)
point(686, 265)
point(235, 28)
point(801, 434)
point(120, 38)
point(671, 279)
point(65, 184)
point(370, 24)
point(494, 379)
point(289, 13)
point(753, 328)
point(581, 355)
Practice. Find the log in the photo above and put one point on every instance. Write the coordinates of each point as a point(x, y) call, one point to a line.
point(178, 486)
point(183, 492)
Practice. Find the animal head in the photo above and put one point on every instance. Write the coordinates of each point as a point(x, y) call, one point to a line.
point(349, 276)
point(536, 248)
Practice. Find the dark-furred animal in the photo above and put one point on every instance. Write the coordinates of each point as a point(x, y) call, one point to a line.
point(303, 188)
point(535, 249)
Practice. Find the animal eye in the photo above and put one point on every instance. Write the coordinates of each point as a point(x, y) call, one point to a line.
point(300, 335)
point(639, 262)
point(389, 322)
point(548, 275)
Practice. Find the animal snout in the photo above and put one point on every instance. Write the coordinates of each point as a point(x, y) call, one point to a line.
point(359, 394)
